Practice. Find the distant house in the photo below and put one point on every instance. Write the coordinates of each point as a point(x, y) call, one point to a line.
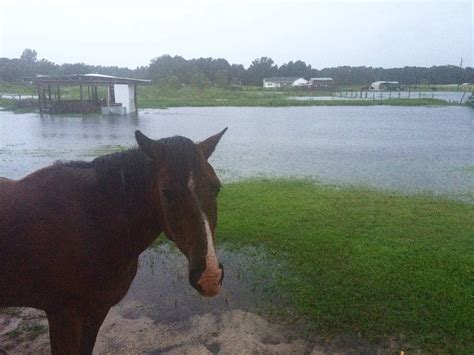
point(384, 86)
point(281, 82)
point(321, 83)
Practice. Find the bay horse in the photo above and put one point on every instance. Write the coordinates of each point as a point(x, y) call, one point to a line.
point(71, 233)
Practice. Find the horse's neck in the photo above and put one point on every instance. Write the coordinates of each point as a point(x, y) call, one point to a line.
point(141, 225)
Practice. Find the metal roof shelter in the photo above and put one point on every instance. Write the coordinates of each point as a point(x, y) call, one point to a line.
point(120, 97)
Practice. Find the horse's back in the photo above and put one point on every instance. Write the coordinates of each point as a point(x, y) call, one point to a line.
point(45, 224)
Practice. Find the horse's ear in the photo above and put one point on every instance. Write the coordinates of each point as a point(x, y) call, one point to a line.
point(207, 146)
point(151, 148)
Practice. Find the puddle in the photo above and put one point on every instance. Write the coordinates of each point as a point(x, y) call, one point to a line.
point(162, 285)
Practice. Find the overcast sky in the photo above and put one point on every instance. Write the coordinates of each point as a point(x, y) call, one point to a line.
point(322, 33)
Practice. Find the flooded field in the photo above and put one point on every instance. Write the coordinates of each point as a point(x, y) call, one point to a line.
point(408, 149)
point(449, 96)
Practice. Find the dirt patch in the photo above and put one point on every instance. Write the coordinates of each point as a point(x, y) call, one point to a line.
point(23, 331)
point(230, 332)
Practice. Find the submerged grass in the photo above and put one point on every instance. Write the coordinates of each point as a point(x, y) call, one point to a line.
point(364, 262)
point(155, 96)
point(159, 97)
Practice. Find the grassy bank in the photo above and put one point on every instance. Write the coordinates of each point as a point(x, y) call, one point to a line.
point(363, 262)
point(158, 97)
point(154, 96)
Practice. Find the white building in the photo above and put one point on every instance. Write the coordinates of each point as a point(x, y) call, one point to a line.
point(316, 83)
point(384, 86)
point(281, 82)
point(121, 94)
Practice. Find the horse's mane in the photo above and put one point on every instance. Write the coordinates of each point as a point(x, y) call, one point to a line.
point(132, 169)
point(128, 171)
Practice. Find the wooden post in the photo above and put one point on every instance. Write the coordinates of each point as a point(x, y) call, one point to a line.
point(462, 98)
point(80, 89)
point(390, 95)
point(58, 93)
point(39, 99)
point(49, 93)
point(89, 92)
point(135, 97)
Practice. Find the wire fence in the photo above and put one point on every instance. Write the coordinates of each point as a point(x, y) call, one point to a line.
point(449, 96)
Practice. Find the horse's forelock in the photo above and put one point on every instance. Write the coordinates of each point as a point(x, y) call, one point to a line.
point(183, 156)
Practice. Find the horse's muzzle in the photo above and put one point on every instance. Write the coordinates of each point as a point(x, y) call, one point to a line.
point(208, 283)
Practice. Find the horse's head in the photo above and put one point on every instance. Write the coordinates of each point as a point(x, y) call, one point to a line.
point(185, 192)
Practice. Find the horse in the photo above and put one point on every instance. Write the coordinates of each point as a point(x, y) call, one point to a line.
point(71, 233)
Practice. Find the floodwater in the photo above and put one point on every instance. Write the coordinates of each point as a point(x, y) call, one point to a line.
point(409, 149)
point(449, 96)
point(162, 285)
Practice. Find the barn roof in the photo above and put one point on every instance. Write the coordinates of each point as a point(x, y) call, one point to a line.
point(83, 79)
point(321, 79)
point(283, 79)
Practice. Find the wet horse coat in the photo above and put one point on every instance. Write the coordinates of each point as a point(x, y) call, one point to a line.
point(71, 233)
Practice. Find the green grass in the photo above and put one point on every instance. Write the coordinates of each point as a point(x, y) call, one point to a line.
point(159, 97)
point(363, 262)
point(155, 96)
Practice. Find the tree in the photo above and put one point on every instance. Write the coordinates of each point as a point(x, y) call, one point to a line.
point(199, 80)
point(221, 79)
point(259, 69)
point(29, 56)
point(172, 82)
point(298, 68)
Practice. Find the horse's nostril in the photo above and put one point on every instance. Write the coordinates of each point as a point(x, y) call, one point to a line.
point(222, 274)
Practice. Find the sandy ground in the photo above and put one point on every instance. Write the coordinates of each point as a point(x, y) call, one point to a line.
point(25, 331)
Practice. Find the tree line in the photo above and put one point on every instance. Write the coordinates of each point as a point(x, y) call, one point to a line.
point(175, 71)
